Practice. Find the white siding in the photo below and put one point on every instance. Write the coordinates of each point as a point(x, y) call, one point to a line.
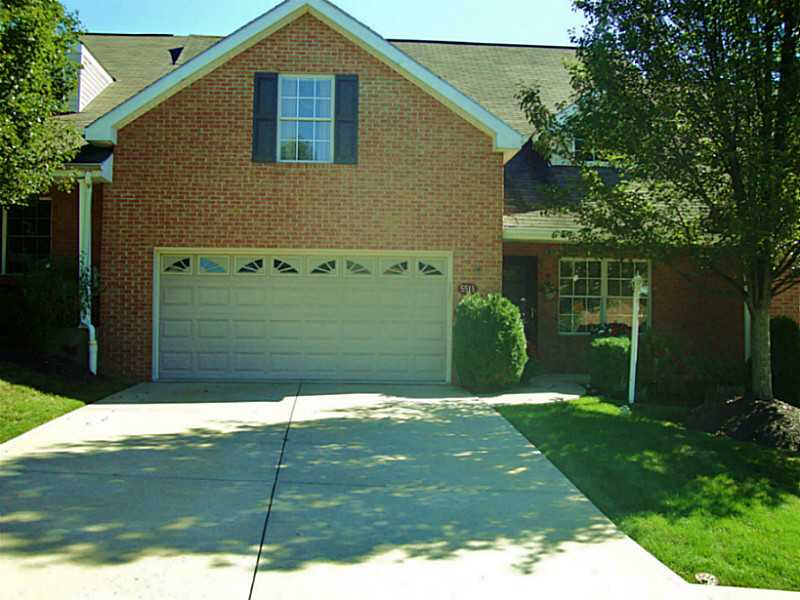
point(93, 79)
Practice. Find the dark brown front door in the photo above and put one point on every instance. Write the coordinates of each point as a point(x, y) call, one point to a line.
point(519, 286)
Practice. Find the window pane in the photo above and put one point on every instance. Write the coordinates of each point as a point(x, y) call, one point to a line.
point(306, 108)
point(289, 151)
point(614, 287)
point(565, 324)
point(581, 287)
point(580, 269)
point(307, 88)
point(566, 268)
point(288, 130)
point(627, 270)
point(289, 107)
point(322, 131)
point(305, 151)
point(613, 269)
point(288, 86)
point(566, 287)
point(323, 88)
point(322, 151)
point(323, 109)
point(595, 287)
point(594, 268)
point(305, 130)
point(565, 306)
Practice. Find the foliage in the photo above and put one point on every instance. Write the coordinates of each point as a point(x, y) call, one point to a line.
point(609, 363)
point(50, 297)
point(36, 80)
point(695, 501)
point(533, 368)
point(697, 106)
point(785, 335)
point(488, 342)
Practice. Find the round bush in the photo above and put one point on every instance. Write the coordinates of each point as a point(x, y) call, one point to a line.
point(609, 363)
point(489, 345)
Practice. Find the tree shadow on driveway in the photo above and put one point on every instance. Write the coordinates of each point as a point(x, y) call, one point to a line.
point(431, 479)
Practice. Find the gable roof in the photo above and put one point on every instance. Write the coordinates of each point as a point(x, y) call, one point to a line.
point(506, 139)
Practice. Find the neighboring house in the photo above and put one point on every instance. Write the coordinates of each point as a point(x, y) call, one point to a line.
point(304, 199)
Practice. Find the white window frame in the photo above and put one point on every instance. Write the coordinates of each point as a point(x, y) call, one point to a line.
point(330, 120)
point(604, 297)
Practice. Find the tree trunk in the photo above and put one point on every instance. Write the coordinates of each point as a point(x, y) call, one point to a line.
point(762, 363)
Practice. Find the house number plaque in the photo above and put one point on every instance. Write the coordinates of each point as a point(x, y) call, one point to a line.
point(468, 288)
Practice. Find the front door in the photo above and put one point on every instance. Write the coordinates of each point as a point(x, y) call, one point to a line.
point(519, 286)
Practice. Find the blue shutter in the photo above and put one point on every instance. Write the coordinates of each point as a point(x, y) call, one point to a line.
point(265, 117)
point(345, 137)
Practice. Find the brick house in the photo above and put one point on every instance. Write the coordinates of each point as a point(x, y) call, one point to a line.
point(305, 199)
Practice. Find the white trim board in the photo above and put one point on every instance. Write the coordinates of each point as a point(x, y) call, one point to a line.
point(505, 138)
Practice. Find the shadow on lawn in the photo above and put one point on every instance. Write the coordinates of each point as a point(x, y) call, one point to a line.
point(430, 479)
point(665, 468)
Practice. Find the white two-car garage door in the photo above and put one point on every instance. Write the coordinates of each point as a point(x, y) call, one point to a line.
point(309, 316)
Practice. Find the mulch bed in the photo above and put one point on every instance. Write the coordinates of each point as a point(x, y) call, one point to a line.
point(770, 423)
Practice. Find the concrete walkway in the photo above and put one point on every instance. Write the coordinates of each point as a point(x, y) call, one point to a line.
point(289, 491)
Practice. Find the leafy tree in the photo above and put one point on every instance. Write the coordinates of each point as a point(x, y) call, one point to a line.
point(36, 80)
point(697, 104)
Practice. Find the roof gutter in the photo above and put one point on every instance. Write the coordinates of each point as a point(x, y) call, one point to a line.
point(534, 234)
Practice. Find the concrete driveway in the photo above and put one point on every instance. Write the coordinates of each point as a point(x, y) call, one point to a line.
point(287, 491)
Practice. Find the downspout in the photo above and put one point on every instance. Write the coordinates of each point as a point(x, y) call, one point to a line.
point(85, 262)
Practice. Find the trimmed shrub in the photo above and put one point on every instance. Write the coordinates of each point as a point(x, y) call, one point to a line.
point(488, 342)
point(609, 362)
point(785, 352)
point(50, 300)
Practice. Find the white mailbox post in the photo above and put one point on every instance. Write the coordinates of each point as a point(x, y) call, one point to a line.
point(637, 293)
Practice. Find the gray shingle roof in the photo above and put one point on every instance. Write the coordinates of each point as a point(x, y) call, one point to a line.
point(134, 61)
point(493, 73)
point(490, 74)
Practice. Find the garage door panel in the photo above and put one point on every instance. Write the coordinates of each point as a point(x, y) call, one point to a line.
point(253, 363)
point(176, 328)
point(246, 329)
point(249, 297)
point(338, 317)
point(176, 362)
point(208, 329)
point(284, 363)
point(212, 362)
point(180, 295)
point(213, 296)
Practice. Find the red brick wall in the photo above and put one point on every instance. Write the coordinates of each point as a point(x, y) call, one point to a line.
point(699, 310)
point(787, 304)
point(64, 222)
point(426, 180)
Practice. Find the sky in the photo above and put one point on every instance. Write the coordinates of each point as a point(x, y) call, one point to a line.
point(545, 22)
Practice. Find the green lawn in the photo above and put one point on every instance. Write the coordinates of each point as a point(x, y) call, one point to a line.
point(29, 398)
point(695, 501)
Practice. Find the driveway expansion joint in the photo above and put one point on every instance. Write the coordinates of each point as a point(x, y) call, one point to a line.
point(274, 490)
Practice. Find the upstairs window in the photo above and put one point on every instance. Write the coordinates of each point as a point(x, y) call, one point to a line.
point(305, 117)
point(26, 236)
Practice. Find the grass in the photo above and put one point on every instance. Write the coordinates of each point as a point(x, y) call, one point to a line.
point(699, 503)
point(29, 398)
